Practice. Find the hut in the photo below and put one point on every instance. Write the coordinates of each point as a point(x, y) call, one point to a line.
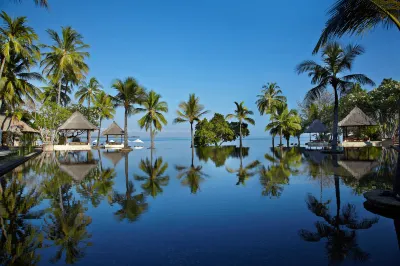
point(77, 165)
point(352, 125)
point(77, 123)
point(316, 127)
point(17, 132)
point(113, 130)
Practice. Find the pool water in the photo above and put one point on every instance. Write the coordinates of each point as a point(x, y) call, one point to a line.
point(211, 206)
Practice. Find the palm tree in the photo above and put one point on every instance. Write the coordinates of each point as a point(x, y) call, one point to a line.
point(104, 105)
point(283, 120)
point(154, 109)
point(155, 176)
point(269, 98)
point(16, 82)
point(241, 114)
point(16, 38)
point(65, 58)
point(50, 92)
point(357, 17)
point(41, 3)
point(190, 111)
point(336, 61)
point(129, 94)
point(88, 91)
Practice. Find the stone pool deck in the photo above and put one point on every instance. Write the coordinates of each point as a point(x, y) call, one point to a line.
point(6, 165)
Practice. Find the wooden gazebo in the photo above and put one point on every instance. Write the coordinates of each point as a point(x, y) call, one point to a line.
point(354, 121)
point(113, 130)
point(17, 129)
point(76, 123)
point(316, 127)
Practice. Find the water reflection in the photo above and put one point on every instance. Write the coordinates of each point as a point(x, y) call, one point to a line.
point(155, 177)
point(131, 206)
point(284, 162)
point(54, 203)
point(19, 238)
point(339, 230)
point(244, 172)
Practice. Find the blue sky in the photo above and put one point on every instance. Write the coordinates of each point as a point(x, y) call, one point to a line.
point(223, 51)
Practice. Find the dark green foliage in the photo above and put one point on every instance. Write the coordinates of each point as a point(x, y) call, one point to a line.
point(216, 131)
point(235, 127)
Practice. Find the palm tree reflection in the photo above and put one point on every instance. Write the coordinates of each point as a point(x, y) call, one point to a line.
point(339, 230)
point(244, 172)
point(191, 176)
point(132, 206)
point(154, 176)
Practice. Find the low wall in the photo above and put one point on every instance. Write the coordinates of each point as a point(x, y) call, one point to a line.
point(72, 147)
point(361, 144)
point(109, 147)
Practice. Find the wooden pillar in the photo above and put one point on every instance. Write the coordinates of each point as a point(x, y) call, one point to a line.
point(107, 139)
point(88, 136)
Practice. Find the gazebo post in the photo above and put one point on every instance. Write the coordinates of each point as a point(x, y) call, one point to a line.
point(107, 139)
point(88, 136)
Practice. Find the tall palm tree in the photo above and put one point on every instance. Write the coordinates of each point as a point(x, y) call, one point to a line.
point(105, 107)
point(41, 3)
point(336, 61)
point(88, 91)
point(65, 57)
point(154, 108)
point(283, 120)
point(357, 17)
point(190, 111)
point(16, 38)
point(269, 98)
point(50, 92)
point(129, 94)
point(241, 114)
point(154, 176)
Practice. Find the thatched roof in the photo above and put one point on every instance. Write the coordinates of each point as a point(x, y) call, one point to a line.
point(316, 127)
point(77, 121)
point(357, 118)
point(114, 156)
point(77, 171)
point(358, 168)
point(316, 156)
point(113, 129)
point(15, 126)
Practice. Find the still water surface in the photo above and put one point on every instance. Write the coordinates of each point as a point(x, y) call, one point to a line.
point(226, 206)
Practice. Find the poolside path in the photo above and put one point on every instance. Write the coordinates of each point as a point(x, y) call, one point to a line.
point(6, 165)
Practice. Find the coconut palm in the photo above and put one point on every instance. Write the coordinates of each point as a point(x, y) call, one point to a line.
point(65, 58)
point(190, 111)
point(154, 108)
point(41, 3)
point(129, 93)
point(16, 38)
point(88, 91)
point(357, 17)
point(242, 115)
point(154, 176)
point(105, 108)
point(17, 86)
point(50, 92)
point(283, 120)
point(132, 206)
point(336, 61)
point(269, 98)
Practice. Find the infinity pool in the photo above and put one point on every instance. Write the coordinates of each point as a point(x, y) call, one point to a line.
point(214, 206)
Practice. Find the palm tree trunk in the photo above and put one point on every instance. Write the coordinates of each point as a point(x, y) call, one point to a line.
point(126, 172)
point(151, 136)
point(298, 141)
point(280, 138)
point(191, 134)
point(3, 62)
point(240, 133)
point(273, 140)
point(59, 91)
point(192, 165)
point(335, 121)
point(101, 161)
point(126, 129)
point(98, 135)
point(287, 143)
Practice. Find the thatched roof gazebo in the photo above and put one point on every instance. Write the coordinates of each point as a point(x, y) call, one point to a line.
point(113, 130)
point(316, 127)
point(78, 122)
point(114, 156)
point(15, 126)
point(355, 119)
